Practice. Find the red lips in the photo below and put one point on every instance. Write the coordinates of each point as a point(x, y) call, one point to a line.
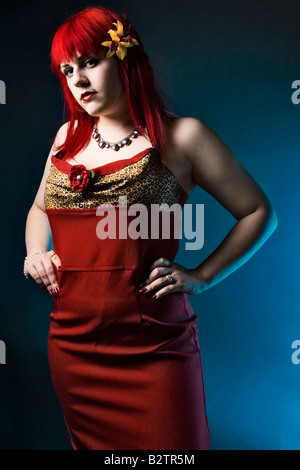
point(87, 95)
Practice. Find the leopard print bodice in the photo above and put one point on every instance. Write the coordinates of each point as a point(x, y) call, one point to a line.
point(143, 179)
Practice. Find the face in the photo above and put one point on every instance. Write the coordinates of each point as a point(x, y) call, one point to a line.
point(95, 83)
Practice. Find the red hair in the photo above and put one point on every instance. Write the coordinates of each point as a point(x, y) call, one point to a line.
point(84, 32)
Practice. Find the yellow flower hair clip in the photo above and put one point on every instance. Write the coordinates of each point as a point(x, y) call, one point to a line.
point(119, 43)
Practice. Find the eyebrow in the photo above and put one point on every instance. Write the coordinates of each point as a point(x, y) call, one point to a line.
point(78, 60)
point(62, 66)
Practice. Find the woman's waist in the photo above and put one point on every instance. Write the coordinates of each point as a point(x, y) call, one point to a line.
point(86, 241)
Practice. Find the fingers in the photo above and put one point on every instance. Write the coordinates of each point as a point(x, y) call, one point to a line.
point(166, 277)
point(156, 277)
point(34, 274)
point(55, 259)
point(42, 269)
point(160, 287)
point(160, 267)
point(161, 279)
point(160, 262)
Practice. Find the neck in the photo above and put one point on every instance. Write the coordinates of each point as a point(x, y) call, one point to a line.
point(115, 124)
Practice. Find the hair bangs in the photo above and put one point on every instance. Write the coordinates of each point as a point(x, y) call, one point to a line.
point(82, 35)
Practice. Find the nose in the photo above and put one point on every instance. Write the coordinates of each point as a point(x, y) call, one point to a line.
point(79, 78)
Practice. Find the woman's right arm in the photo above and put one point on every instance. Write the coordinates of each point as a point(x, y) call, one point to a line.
point(38, 232)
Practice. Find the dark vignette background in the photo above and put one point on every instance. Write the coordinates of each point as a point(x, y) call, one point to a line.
point(230, 64)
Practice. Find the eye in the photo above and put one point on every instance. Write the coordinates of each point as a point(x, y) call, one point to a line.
point(91, 62)
point(67, 71)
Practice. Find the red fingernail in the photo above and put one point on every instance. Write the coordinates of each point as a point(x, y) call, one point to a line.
point(59, 268)
point(153, 296)
point(143, 290)
point(142, 285)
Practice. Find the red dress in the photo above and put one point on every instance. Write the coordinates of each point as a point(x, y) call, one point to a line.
point(126, 368)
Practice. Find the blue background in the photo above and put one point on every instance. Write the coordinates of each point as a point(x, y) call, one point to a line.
point(230, 64)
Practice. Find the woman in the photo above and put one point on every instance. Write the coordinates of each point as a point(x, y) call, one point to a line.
point(123, 345)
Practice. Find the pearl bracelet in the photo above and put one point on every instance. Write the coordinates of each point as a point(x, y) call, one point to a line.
point(27, 259)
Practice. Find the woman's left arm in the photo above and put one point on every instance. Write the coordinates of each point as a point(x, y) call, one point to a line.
point(214, 168)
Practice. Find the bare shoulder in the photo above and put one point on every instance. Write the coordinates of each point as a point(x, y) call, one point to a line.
point(61, 135)
point(179, 132)
point(187, 147)
point(189, 134)
point(203, 153)
point(183, 127)
point(58, 141)
point(213, 167)
point(200, 145)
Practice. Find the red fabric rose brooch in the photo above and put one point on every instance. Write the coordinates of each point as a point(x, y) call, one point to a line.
point(80, 177)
